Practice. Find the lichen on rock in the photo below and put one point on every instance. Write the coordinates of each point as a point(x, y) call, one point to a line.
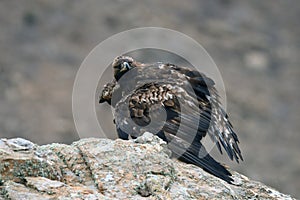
point(96, 168)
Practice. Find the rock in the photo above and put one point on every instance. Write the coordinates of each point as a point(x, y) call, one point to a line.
point(112, 169)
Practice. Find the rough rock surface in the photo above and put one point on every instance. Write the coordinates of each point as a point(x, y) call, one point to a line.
point(112, 169)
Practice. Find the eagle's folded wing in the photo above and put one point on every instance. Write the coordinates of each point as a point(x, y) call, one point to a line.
point(220, 129)
point(182, 128)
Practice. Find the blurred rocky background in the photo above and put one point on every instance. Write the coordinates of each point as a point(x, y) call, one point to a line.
point(255, 44)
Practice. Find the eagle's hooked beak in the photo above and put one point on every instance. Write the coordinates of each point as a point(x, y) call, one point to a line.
point(125, 67)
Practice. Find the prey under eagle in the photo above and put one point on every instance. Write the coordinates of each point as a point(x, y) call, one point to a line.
point(178, 104)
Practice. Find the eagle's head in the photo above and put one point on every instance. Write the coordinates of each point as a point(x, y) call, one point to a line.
point(121, 65)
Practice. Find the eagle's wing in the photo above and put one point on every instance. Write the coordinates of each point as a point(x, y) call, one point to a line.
point(220, 129)
point(183, 127)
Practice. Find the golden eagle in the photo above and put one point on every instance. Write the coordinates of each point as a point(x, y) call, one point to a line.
point(178, 104)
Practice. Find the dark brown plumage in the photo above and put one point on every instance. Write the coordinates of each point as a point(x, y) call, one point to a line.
point(178, 104)
point(106, 94)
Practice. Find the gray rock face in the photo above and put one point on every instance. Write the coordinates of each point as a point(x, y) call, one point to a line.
point(112, 169)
